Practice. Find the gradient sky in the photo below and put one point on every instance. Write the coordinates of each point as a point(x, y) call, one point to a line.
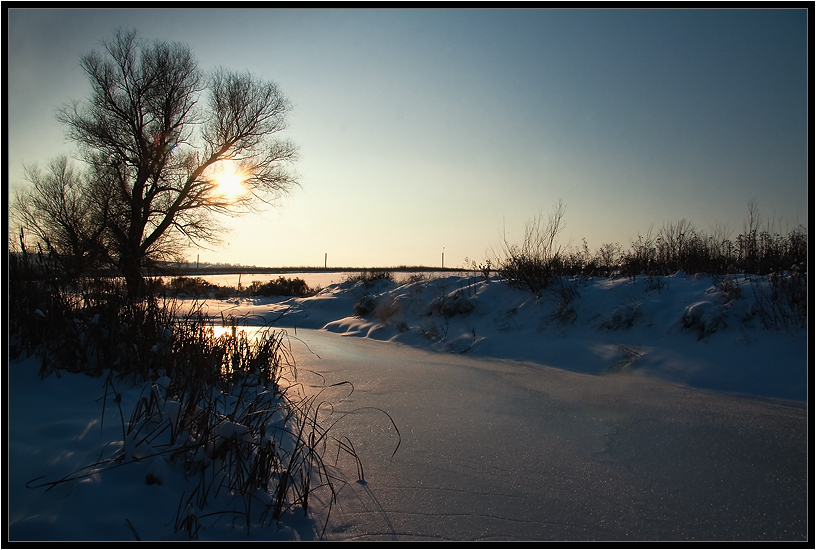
point(424, 129)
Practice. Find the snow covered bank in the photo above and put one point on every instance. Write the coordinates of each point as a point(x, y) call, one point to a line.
point(69, 482)
point(689, 329)
point(595, 430)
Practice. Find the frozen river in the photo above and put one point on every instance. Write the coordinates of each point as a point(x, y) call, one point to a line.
point(498, 450)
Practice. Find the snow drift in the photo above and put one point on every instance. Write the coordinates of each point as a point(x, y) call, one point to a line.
point(688, 329)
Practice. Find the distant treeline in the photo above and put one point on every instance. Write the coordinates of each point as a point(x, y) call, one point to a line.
point(228, 269)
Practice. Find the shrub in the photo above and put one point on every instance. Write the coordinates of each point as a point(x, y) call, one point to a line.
point(607, 259)
point(364, 306)
point(728, 286)
point(782, 298)
point(191, 286)
point(654, 282)
point(281, 287)
point(485, 268)
point(415, 278)
point(534, 262)
point(222, 292)
point(372, 276)
point(387, 307)
point(83, 325)
point(705, 317)
point(623, 316)
point(641, 257)
point(451, 305)
point(565, 291)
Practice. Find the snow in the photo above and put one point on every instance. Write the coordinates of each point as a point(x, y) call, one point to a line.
point(627, 334)
point(680, 328)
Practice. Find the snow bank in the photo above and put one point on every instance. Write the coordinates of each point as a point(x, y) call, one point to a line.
point(683, 328)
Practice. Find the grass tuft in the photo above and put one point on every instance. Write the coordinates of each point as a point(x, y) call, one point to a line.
point(223, 410)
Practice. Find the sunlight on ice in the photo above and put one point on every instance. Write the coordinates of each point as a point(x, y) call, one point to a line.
point(249, 332)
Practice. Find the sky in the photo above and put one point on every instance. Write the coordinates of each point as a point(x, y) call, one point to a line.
point(425, 132)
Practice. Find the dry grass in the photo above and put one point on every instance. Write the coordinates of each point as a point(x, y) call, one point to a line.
point(227, 410)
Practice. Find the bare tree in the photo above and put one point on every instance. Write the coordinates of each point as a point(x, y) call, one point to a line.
point(156, 149)
point(60, 211)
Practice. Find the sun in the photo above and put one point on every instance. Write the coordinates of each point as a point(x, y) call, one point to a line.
point(230, 180)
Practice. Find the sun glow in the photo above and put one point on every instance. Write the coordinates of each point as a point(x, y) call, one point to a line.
point(230, 180)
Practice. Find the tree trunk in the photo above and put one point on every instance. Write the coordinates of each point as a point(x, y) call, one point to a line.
point(131, 267)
